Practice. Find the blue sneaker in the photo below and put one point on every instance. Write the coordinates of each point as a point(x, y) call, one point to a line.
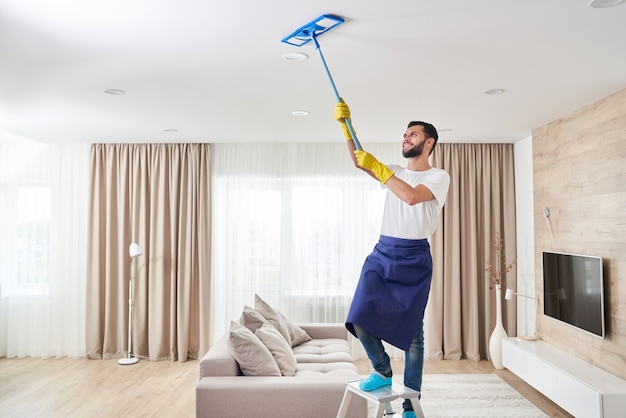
point(408, 414)
point(374, 381)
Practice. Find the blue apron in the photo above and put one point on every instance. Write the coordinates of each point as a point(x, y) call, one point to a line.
point(391, 296)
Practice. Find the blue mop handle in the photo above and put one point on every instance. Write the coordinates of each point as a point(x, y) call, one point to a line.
point(332, 83)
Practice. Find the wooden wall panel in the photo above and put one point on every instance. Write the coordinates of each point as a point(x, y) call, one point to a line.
point(579, 169)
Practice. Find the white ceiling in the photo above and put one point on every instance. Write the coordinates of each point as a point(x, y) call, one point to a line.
point(214, 70)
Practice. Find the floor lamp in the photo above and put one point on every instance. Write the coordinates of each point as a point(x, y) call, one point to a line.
point(134, 251)
point(508, 296)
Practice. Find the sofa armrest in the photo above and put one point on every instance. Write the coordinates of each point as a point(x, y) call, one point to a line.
point(276, 397)
point(218, 361)
point(321, 330)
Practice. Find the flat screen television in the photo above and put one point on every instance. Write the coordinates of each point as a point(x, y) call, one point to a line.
point(573, 290)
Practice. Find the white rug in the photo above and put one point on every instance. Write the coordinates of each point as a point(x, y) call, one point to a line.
point(470, 395)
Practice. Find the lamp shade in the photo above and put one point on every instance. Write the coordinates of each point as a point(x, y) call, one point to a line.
point(510, 293)
point(134, 250)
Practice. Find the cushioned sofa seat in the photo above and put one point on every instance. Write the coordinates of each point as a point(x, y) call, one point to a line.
point(320, 369)
point(324, 350)
point(324, 365)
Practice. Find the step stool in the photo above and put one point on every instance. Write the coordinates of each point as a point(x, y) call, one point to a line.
point(381, 397)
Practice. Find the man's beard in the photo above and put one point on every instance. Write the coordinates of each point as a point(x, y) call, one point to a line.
point(414, 151)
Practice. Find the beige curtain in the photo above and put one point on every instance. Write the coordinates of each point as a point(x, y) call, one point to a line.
point(157, 195)
point(481, 202)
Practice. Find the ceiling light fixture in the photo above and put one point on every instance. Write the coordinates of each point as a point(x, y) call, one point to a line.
point(445, 130)
point(601, 4)
point(493, 92)
point(170, 130)
point(115, 92)
point(295, 56)
point(300, 113)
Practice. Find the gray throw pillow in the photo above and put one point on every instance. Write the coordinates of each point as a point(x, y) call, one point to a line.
point(273, 317)
point(281, 351)
point(253, 357)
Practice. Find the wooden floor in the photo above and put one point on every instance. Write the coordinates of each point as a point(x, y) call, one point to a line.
point(103, 388)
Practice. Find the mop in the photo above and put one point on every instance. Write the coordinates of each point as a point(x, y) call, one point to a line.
point(310, 32)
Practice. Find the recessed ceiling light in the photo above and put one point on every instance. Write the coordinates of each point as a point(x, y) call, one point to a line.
point(492, 92)
point(445, 130)
point(116, 92)
point(300, 113)
point(295, 56)
point(600, 4)
point(170, 130)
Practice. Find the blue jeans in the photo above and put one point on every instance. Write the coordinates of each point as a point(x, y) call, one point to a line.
point(413, 359)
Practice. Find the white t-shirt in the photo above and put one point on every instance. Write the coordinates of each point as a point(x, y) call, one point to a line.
point(401, 220)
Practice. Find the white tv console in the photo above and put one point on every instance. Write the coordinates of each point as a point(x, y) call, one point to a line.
point(580, 388)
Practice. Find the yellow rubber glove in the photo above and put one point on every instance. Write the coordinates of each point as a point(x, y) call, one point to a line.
point(342, 112)
point(367, 160)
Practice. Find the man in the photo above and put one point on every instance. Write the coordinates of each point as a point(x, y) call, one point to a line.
point(392, 292)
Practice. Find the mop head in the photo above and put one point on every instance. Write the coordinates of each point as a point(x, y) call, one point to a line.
point(313, 29)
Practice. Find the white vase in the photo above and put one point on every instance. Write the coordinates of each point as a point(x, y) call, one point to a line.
point(495, 341)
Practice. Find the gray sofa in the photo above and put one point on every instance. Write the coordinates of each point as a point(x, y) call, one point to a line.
point(315, 390)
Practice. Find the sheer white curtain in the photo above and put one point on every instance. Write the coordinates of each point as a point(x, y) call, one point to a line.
point(43, 209)
point(293, 223)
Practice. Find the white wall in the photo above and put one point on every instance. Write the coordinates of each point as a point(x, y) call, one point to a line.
point(526, 308)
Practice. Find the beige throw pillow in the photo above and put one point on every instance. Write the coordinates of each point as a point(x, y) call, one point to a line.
point(253, 357)
point(273, 317)
point(252, 319)
point(281, 351)
point(296, 334)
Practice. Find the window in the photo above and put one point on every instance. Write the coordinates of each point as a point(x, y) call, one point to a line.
point(288, 240)
point(28, 239)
